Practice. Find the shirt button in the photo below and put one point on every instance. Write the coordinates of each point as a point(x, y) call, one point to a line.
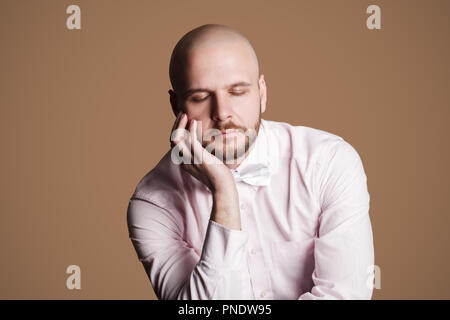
point(253, 251)
point(263, 294)
point(243, 206)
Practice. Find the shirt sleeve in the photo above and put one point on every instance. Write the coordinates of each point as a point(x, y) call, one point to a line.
point(343, 252)
point(174, 268)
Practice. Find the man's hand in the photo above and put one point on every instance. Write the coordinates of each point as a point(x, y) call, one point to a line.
point(202, 165)
point(210, 170)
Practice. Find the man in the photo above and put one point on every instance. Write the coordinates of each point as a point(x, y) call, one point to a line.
point(283, 215)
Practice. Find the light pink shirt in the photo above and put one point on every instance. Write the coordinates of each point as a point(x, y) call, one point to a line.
point(305, 235)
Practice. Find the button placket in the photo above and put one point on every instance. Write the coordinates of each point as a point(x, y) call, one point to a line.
point(255, 259)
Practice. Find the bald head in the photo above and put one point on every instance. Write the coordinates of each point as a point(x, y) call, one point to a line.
point(215, 78)
point(213, 36)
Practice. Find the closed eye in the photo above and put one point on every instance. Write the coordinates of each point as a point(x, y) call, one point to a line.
point(237, 93)
point(199, 98)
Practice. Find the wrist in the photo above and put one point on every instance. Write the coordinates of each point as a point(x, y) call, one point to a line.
point(226, 199)
point(225, 210)
point(223, 184)
point(225, 190)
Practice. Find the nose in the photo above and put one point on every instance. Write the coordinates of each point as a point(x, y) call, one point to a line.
point(221, 108)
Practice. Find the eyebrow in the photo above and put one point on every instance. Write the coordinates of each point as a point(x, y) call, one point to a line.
point(189, 92)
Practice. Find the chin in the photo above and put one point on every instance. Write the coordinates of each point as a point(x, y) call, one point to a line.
point(229, 153)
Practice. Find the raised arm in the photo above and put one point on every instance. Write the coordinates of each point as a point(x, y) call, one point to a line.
point(175, 270)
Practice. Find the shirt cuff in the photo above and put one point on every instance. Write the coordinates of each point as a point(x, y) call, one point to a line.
point(224, 247)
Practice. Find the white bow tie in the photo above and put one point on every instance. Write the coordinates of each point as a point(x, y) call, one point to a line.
point(254, 174)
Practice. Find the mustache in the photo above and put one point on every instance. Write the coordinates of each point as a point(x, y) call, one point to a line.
point(216, 130)
point(229, 125)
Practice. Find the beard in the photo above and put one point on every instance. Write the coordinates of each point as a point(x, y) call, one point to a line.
point(230, 148)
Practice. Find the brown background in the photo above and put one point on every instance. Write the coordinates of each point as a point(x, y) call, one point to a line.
point(85, 114)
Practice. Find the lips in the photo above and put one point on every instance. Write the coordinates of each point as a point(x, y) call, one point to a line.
point(229, 132)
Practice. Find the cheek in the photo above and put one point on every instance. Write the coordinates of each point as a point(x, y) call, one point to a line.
point(192, 112)
point(199, 113)
point(249, 109)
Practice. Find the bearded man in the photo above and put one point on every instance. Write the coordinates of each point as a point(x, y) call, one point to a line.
point(242, 207)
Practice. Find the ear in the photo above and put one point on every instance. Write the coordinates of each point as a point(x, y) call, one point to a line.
point(174, 102)
point(262, 92)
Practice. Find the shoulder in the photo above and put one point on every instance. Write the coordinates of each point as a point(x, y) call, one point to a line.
point(161, 185)
point(303, 143)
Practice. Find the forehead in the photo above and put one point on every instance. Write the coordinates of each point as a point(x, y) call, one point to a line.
point(215, 66)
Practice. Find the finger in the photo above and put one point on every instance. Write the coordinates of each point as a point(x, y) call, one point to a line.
point(180, 132)
point(177, 120)
point(183, 121)
point(196, 133)
point(175, 125)
point(182, 125)
point(197, 147)
point(185, 152)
